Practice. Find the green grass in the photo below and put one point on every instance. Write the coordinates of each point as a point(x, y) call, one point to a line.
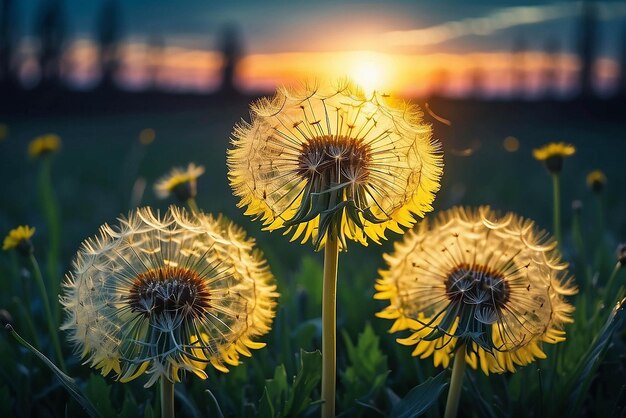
point(93, 175)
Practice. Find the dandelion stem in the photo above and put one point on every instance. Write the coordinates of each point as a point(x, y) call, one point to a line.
point(51, 213)
point(456, 383)
point(579, 244)
point(557, 208)
point(600, 214)
point(54, 335)
point(329, 325)
point(193, 206)
point(167, 398)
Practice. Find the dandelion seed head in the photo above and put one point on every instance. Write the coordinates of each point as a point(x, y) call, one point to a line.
point(318, 160)
point(493, 283)
point(168, 294)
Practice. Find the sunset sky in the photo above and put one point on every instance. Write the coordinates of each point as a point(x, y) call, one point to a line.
point(412, 47)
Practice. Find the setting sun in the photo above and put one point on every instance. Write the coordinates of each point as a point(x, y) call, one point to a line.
point(370, 70)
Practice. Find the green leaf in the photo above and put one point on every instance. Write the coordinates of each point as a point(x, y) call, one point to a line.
point(148, 412)
point(306, 380)
point(282, 400)
point(364, 378)
point(69, 383)
point(588, 365)
point(421, 397)
point(274, 395)
point(100, 394)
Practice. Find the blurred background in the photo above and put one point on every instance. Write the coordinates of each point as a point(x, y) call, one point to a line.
point(135, 87)
point(507, 49)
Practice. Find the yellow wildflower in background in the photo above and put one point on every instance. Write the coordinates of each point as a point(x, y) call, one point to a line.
point(493, 283)
point(165, 295)
point(44, 144)
point(596, 181)
point(552, 155)
point(320, 160)
point(4, 131)
point(147, 136)
point(183, 183)
point(19, 238)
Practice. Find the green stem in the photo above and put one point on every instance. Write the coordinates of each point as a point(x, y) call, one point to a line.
point(557, 208)
point(600, 210)
point(50, 210)
point(167, 398)
point(54, 335)
point(329, 325)
point(193, 206)
point(579, 244)
point(456, 383)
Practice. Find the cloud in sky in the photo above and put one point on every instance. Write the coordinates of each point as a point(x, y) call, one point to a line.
point(497, 20)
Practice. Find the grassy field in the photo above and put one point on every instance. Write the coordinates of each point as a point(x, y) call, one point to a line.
point(101, 159)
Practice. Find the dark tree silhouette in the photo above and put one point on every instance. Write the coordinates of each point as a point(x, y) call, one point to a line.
point(154, 61)
point(477, 82)
point(551, 72)
point(109, 30)
point(440, 82)
point(8, 41)
point(231, 48)
point(51, 31)
point(518, 70)
point(587, 45)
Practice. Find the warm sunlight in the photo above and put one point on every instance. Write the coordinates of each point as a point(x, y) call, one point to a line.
point(371, 71)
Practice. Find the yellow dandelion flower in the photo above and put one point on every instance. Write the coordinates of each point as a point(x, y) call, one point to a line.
point(317, 160)
point(167, 294)
point(19, 238)
point(43, 145)
point(596, 181)
point(147, 136)
point(552, 155)
point(494, 284)
point(183, 183)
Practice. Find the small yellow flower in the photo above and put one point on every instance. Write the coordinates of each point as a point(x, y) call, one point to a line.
point(493, 283)
point(19, 238)
point(552, 155)
point(147, 136)
point(181, 182)
point(43, 145)
point(168, 294)
point(596, 181)
point(4, 131)
point(331, 160)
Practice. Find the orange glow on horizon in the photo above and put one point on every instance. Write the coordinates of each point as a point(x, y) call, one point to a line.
point(407, 74)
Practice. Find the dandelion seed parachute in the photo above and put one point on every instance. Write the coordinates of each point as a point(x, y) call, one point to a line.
point(495, 284)
point(165, 295)
point(316, 160)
